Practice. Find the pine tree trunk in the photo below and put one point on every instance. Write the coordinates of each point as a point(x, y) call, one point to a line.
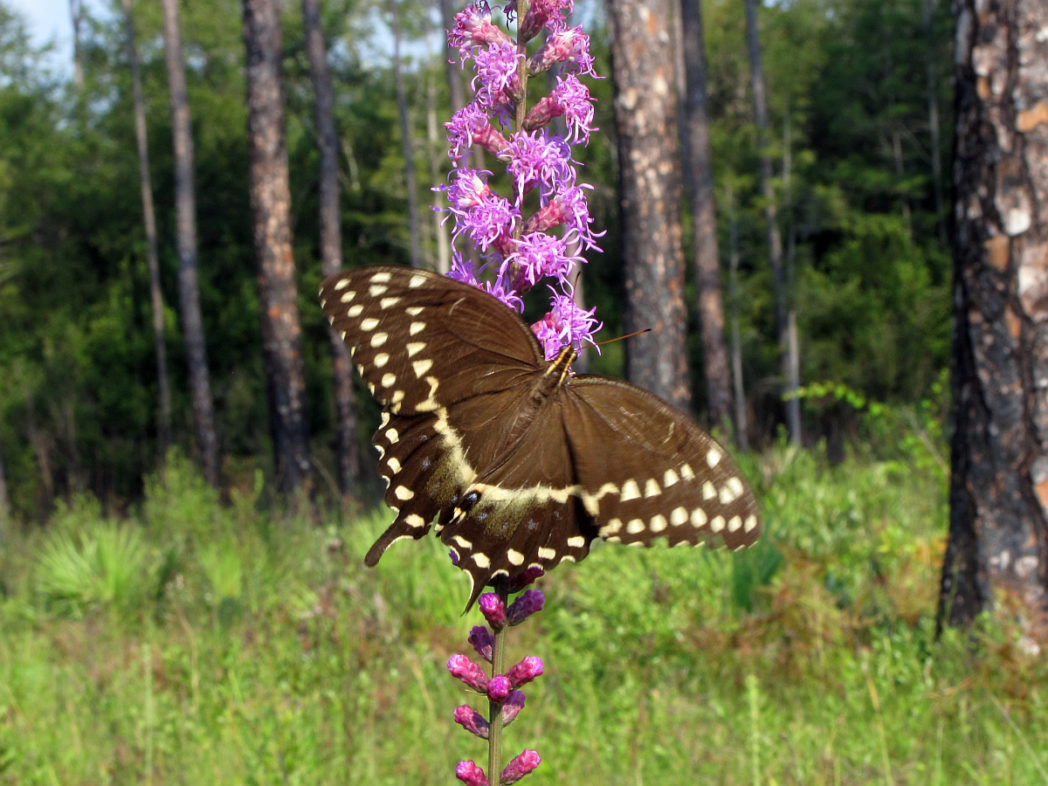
point(408, 148)
point(348, 447)
point(186, 241)
point(650, 197)
point(271, 205)
point(156, 298)
point(76, 17)
point(738, 388)
point(698, 184)
point(998, 537)
point(778, 278)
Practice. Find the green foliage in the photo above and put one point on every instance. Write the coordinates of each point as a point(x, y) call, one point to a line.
point(272, 655)
point(88, 564)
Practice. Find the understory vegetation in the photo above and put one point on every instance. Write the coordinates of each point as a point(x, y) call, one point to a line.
point(201, 641)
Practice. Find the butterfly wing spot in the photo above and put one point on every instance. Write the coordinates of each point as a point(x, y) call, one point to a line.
point(635, 527)
point(394, 465)
point(379, 339)
point(546, 553)
point(727, 496)
point(613, 539)
point(389, 302)
point(698, 518)
point(415, 328)
point(421, 367)
point(576, 542)
point(389, 380)
point(403, 493)
point(678, 516)
point(713, 457)
point(415, 521)
point(515, 557)
point(687, 472)
point(651, 488)
point(670, 478)
point(413, 311)
point(381, 359)
point(736, 486)
point(658, 523)
point(709, 491)
point(377, 289)
point(630, 490)
point(341, 284)
point(717, 523)
point(416, 281)
point(751, 523)
point(734, 524)
point(462, 543)
point(381, 277)
point(415, 347)
point(354, 312)
point(481, 559)
point(368, 324)
point(613, 526)
point(347, 297)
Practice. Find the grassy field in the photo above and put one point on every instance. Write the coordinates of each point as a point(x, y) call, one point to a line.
point(196, 643)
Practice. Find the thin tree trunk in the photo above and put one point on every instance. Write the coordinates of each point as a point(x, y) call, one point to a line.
point(778, 281)
point(698, 184)
point(738, 389)
point(793, 349)
point(931, 84)
point(998, 536)
point(156, 298)
point(76, 16)
point(650, 196)
point(348, 447)
point(186, 241)
point(434, 142)
point(410, 179)
point(271, 205)
point(5, 503)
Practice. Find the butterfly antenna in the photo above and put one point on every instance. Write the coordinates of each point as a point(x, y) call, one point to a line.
point(622, 338)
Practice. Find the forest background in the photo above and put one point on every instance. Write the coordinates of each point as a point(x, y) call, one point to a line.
point(159, 629)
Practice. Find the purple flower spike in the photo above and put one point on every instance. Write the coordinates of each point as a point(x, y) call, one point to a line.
point(469, 773)
point(525, 671)
point(468, 672)
point(494, 610)
point(512, 707)
point(524, 606)
point(524, 763)
point(499, 688)
point(472, 721)
point(482, 641)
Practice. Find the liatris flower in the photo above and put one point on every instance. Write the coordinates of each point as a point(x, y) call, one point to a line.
point(517, 249)
point(531, 230)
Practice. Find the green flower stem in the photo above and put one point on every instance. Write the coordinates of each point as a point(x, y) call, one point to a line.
point(498, 666)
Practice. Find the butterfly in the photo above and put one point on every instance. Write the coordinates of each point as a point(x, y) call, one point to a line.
point(516, 462)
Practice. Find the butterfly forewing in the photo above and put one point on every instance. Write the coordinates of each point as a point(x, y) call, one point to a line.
point(520, 464)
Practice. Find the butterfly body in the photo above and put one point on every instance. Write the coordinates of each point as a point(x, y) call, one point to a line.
point(515, 462)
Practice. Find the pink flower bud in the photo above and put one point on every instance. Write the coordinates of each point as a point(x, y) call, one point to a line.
point(525, 762)
point(499, 688)
point(468, 672)
point(525, 671)
point(482, 641)
point(469, 773)
point(472, 721)
point(494, 610)
point(512, 707)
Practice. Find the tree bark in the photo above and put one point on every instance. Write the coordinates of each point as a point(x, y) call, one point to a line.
point(271, 205)
point(156, 298)
point(997, 548)
point(778, 278)
point(742, 437)
point(650, 197)
point(408, 148)
point(698, 184)
point(186, 242)
point(347, 445)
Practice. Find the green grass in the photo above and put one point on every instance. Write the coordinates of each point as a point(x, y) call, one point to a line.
point(199, 643)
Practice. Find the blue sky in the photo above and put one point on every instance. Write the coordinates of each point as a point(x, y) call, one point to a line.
point(49, 20)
